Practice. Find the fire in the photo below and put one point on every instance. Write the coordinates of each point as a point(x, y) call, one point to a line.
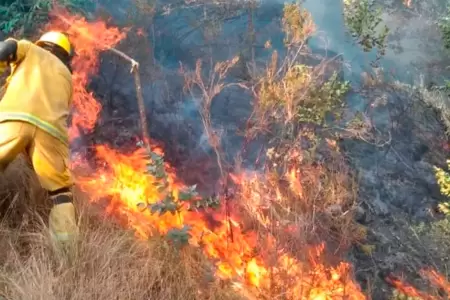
point(126, 184)
point(434, 278)
point(239, 255)
point(407, 289)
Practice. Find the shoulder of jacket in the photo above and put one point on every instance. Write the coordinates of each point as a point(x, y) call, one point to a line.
point(26, 44)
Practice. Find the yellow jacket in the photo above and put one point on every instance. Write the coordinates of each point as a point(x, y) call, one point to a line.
point(39, 91)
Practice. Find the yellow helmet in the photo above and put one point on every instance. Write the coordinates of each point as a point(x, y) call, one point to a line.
point(57, 38)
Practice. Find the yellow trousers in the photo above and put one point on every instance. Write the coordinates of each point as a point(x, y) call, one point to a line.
point(50, 160)
point(49, 156)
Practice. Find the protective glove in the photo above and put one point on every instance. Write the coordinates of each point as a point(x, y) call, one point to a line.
point(62, 224)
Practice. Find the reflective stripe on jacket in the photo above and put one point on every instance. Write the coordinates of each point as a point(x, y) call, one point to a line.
point(5, 116)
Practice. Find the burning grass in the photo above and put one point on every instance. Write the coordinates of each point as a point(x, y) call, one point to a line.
point(109, 262)
point(110, 258)
point(250, 250)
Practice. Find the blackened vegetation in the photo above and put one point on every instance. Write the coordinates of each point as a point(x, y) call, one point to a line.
point(398, 189)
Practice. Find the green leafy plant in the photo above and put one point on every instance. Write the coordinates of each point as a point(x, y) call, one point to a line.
point(438, 232)
point(171, 204)
point(179, 237)
point(301, 98)
point(291, 92)
point(324, 100)
point(20, 13)
point(25, 15)
point(444, 26)
point(363, 20)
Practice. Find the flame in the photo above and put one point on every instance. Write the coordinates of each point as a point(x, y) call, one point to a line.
point(407, 289)
point(434, 278)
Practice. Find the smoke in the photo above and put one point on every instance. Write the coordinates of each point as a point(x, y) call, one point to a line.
point(413, 45)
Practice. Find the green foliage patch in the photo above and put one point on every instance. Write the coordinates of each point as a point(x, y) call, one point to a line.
point(179, 237)
point(292, 92)
point(444, 26)
point(25, 16)
point(327, 99)
point(363, 21)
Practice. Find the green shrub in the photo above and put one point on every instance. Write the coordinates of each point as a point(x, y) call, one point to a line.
point(363, 20)
point(444, 26)
point(26, 15)
point(291, 92)
point(179, 237)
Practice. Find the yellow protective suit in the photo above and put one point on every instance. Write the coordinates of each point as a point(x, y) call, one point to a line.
point(33, 120)
point(39, 91)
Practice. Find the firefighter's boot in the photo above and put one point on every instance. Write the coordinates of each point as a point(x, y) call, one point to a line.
point(62, 221)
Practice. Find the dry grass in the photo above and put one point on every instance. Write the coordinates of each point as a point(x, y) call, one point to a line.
point(315, 201)
point(108, 263)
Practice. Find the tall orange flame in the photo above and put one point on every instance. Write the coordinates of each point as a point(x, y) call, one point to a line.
point(88, 39)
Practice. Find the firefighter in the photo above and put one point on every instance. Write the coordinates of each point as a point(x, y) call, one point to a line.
point(34, 113)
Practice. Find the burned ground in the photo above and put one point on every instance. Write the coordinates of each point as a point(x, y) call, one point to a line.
point(397, 186)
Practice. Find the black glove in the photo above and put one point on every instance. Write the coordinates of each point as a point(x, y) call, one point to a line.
point(8, 51)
